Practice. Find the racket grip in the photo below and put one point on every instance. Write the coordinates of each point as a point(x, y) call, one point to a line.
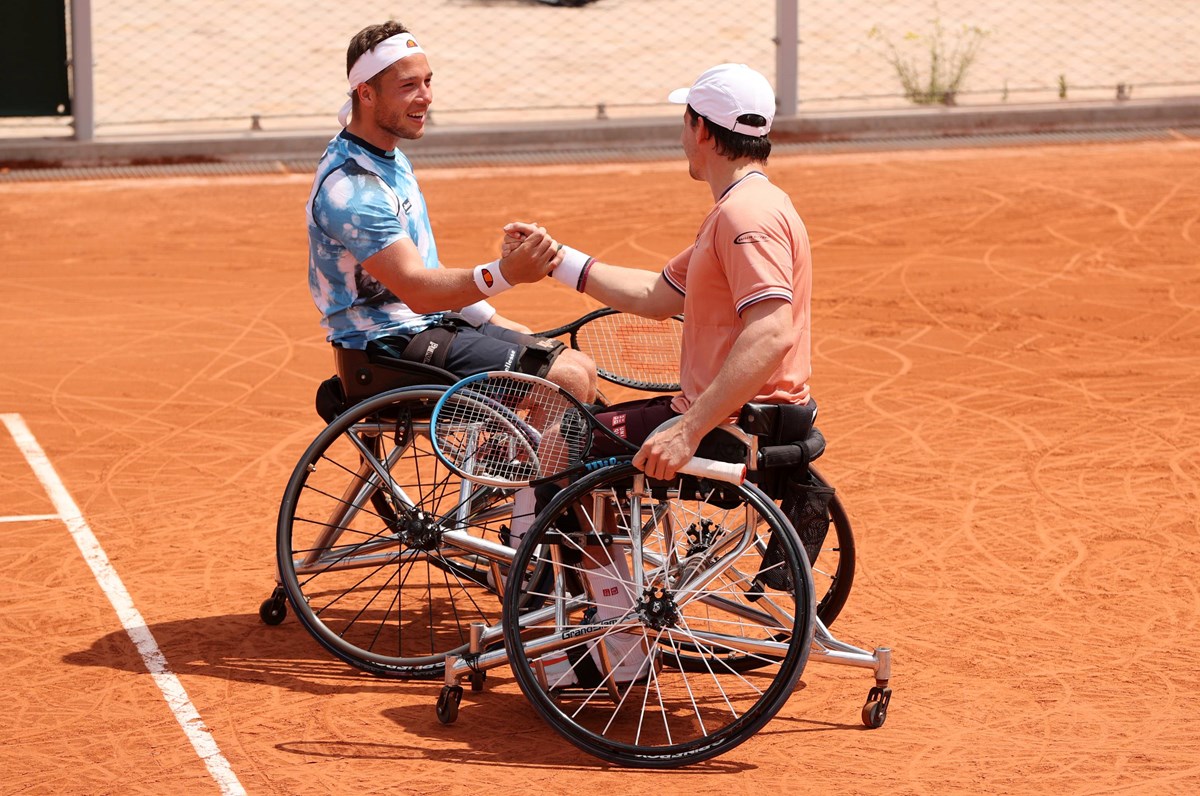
point(719, 471)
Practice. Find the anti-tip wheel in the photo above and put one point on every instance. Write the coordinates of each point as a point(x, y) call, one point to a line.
point(447, 704)
point(874, 712)
point(273, 609)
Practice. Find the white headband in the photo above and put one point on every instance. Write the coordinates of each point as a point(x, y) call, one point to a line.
point(374, 61)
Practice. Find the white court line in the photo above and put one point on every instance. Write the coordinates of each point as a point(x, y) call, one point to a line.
point(172, 690)
point(29, 517)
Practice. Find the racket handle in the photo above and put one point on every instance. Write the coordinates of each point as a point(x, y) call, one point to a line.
point(719, 471)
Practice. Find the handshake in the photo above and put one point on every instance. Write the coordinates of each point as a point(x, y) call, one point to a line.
point(528, 254)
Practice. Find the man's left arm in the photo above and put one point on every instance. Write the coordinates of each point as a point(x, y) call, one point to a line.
point(757, 352)
point(482, 312)
point(509, 323)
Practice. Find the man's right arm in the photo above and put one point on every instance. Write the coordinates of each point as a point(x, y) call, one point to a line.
point(401, 269)
point(358, 210)
point(631, 290)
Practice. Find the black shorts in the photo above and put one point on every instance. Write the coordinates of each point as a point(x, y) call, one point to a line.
point(454, 346)
point(635, 421)
point(464, 350)
point(491, 347)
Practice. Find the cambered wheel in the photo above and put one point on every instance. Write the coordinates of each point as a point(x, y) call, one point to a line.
point(632, 590)
point(832, 576)
point(833, 570)
point(376, 541)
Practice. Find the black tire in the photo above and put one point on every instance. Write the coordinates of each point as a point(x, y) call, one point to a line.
point(832, 575)
point(874, 714)
point(709, 595)
point(833, 570)
point(366, 565)
point(273, 610)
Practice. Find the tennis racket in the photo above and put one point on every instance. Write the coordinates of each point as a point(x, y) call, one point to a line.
point(511, 430)
point(629, 350)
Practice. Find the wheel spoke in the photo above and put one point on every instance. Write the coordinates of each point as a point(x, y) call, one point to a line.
point(673, 650)
point(363, 549)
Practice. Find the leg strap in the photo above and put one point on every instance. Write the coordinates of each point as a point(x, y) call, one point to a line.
point(431, 347)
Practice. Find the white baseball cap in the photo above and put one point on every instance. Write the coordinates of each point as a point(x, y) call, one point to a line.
point(725, 93)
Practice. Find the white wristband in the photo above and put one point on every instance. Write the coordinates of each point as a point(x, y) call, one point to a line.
point(570, 272)
point(489, 280)
point(479, 313)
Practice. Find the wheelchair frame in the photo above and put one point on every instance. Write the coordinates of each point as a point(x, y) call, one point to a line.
point(443, 525)
point(486, 645)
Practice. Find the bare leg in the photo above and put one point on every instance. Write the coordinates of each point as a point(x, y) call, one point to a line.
point(575, 372)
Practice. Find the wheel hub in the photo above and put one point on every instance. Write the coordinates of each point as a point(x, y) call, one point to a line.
point(422, 531)
point(701, 536)
point(657, 608)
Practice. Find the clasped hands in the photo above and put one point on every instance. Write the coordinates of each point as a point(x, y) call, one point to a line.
point(528, 253)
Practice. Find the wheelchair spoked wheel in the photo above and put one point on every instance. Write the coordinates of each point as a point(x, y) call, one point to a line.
point(832, 576)
point(385, 555)
point(833, 569)
point(641, 581)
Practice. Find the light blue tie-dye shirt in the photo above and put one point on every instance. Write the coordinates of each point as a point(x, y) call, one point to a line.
point(363, 200)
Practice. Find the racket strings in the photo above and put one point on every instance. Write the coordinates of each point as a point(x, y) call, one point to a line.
point(635, 348)
point(511, 430)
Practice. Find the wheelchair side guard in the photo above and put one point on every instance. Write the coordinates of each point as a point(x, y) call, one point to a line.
point(331, 399)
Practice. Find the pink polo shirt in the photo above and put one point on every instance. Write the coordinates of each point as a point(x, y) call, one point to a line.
point(751, 247)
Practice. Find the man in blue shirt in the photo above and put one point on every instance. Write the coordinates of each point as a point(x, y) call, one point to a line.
point(374, 271)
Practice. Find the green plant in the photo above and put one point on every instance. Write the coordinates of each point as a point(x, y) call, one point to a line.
point(949, 61)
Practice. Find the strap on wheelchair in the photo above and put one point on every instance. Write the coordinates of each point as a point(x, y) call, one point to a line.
point(778, 423)
point(429, 347)
point(787, 442)
point(788, 436)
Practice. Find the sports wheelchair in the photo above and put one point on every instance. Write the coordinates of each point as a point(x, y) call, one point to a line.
point(651, 624)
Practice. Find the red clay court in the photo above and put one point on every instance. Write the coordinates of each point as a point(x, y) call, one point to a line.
point(1007, 348)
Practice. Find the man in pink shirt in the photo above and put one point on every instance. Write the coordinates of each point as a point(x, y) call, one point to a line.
point(744, 286)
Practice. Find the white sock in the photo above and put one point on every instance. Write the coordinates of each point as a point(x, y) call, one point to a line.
point(523, 513)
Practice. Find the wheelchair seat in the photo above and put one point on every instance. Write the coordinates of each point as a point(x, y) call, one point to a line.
point(361, 374)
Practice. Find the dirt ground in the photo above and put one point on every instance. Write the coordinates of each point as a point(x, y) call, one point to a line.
point(1007, 351)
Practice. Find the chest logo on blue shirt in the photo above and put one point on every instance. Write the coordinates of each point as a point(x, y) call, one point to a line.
point(407, 206)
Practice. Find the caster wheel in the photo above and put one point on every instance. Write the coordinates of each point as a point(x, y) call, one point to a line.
point(273, 609)
point(477, 680)
point(874, 712)
point(447, 704)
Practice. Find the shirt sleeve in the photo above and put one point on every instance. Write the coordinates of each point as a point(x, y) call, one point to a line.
point(356, 209)
point(676, 270)
point(756, 254)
